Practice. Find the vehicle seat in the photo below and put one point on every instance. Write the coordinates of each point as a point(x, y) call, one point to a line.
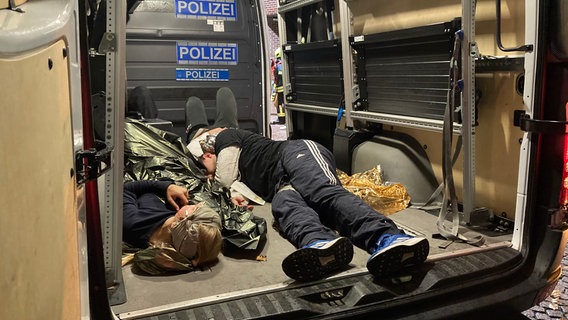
point(141, 105)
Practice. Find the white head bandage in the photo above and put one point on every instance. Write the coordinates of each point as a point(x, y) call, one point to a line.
point(185, 234)
point(201, 144)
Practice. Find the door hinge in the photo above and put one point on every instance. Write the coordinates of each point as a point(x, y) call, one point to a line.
point(108, 43)
point(92, 163)
point(522, 120)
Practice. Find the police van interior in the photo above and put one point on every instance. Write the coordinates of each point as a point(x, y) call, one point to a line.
point(464, 103)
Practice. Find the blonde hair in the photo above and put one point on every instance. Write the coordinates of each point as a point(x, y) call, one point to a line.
point(209, 246)
point(198, 236)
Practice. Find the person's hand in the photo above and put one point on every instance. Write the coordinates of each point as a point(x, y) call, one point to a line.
point(240, 201)
point(177, 196)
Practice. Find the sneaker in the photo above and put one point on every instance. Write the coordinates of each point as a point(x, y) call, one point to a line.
point(396, 251)
point(318, 259)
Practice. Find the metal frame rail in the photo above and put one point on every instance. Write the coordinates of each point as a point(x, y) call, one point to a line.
point(113, 46)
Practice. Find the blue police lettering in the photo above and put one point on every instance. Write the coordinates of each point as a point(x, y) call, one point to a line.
point(202, 74)
point(210, 53)
point(206, 8)
point(222, 9)
point(185, 74)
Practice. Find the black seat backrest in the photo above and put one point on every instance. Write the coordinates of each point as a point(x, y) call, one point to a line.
point(140, 103)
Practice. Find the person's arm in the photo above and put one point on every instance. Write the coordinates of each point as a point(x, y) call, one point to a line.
point(129, 202)
point(175, 195)
point(227, 172)
point(132, 192)
point(141, 187)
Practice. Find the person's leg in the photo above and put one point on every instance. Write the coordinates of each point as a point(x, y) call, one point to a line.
point(299, 223)
point(320, 251)
point(281, 113)
point(311, 170)
point(195, 116)
point(226, 109)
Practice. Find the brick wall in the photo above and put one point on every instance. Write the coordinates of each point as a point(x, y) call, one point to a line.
point(272, 14)
point(271, 7)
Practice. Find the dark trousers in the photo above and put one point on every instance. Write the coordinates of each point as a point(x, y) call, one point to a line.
point(317, 206)
point(226, 113)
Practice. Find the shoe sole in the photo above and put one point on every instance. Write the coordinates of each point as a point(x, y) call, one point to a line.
point(393, 258)
point(309, 264)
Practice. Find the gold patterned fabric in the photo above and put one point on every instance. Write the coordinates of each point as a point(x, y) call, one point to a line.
point(386, 198)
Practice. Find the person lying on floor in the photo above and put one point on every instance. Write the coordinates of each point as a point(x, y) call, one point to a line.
point(309, 204)
point(194, 230)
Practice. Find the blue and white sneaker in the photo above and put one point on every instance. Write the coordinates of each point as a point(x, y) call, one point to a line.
point(318, 259)
point(396, 251)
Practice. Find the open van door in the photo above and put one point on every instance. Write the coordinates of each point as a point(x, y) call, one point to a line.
point(51, 226)
point(44, 269)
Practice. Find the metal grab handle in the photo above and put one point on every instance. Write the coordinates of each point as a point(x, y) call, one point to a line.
point(524, 48)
